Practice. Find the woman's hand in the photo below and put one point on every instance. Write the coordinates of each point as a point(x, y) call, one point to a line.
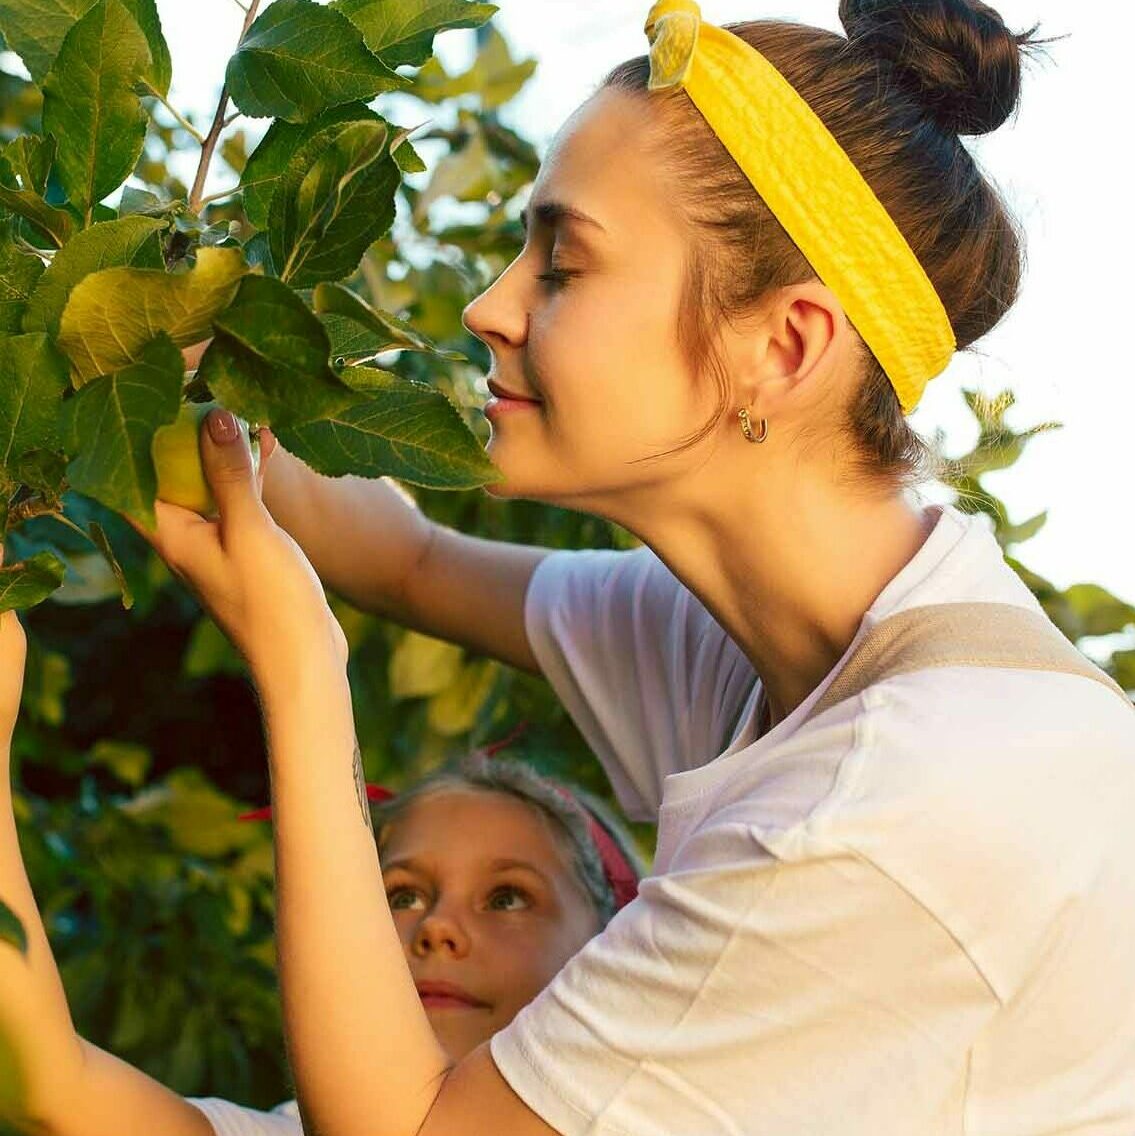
point(13, 657)
point(246, 571)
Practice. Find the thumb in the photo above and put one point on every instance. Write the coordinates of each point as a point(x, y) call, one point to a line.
point(227, 461)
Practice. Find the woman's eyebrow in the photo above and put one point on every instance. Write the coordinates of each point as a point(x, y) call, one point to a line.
point(550, 213)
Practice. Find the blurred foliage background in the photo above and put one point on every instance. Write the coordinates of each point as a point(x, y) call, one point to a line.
point(140, 741)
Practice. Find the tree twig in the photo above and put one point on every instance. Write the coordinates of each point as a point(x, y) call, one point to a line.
point(217, 196)
point(210, 143)
point(182, 121)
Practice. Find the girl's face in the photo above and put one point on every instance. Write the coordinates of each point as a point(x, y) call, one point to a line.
point(596, 340)
point(484, 897)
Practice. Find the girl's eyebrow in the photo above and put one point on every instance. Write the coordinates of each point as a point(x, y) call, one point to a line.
point(550, 213)
point(498, 865)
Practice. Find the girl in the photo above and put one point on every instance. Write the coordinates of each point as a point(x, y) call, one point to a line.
point(910, 909)
point(485, 922)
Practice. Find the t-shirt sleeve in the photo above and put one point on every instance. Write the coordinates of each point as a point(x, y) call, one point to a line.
point(764, 993)
point(653, 682)
point(230, 1119)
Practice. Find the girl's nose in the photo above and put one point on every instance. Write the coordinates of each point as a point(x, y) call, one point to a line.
point(438, 930)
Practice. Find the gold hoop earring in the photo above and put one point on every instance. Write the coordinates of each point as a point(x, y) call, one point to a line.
point(747, 426)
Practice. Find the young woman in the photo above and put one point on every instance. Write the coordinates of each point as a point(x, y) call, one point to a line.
point(910, 911)
point(485, 922)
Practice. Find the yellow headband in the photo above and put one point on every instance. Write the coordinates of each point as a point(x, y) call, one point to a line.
point(812, 188)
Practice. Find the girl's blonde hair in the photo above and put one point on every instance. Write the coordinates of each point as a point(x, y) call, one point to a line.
point(479, 771)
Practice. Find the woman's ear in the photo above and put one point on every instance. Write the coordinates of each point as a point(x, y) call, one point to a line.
point(793, 350)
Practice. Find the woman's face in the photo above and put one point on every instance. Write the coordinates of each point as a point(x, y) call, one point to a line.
point(596, 343)
point(498, 930)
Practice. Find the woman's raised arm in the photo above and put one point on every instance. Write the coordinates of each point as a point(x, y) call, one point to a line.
point(371, 545)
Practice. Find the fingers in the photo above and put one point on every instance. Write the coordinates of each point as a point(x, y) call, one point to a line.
point(192, 355)
point(268, 446)
point(227, 460)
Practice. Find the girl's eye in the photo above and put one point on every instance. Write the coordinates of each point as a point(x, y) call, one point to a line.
point(509, 890)
point(394, 894)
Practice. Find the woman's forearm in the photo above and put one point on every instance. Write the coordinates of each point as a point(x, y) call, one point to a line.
point(37, 1037)
point(387, 532)
point(363, 1053)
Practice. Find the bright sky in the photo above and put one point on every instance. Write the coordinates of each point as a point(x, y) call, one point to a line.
point(1059, 164)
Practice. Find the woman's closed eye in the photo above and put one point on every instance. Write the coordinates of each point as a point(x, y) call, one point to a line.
point(556, 276)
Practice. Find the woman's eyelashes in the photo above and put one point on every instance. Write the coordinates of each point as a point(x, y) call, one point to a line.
point(557, 277)
point(504, 889)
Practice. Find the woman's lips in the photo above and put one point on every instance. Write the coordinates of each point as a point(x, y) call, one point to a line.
point(497, 406)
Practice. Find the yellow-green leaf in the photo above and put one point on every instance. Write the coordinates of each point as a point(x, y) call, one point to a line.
point(422, 665)
point(454, 710)
point(111, 315)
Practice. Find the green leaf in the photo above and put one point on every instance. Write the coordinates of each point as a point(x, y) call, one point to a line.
point(351, 343)
point(280, 144)
point(210, 652)
point(1099, 612)
point(111, 315)
point(45, 472)
point(142, 201)
point(36, 28)
point(454, 710)
point(408, 159)
point(200, 820)
point(30, 581)
point(468, 174)
point(55, 224)
point(160, 72)
point(19, 272)
point(33, 377)
point(98, 535)
point(129, 241)
point(335, 199)
point(110, 424)
point(389, 332)
point(12, 930)
point(29, 158)
point(48, 678)
point(90, 106)
point(406, 429)
point(402, 31)
point(268, 359)
point(298, 59)
point(1009, 534)
point(422, 666)
point(494, 76)
point(128, 761)
point(1121, 667)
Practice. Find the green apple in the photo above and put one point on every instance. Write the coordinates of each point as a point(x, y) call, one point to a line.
point(177, 459)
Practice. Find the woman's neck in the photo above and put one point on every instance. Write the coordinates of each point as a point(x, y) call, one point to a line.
point(788, 566)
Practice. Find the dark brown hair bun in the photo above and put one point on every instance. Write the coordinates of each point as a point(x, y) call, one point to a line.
point(956, 57)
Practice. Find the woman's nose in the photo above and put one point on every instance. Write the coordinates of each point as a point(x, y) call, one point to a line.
point(497, 316)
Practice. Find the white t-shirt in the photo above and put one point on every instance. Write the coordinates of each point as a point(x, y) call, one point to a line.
point(230, 1119)
point(913, 915)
